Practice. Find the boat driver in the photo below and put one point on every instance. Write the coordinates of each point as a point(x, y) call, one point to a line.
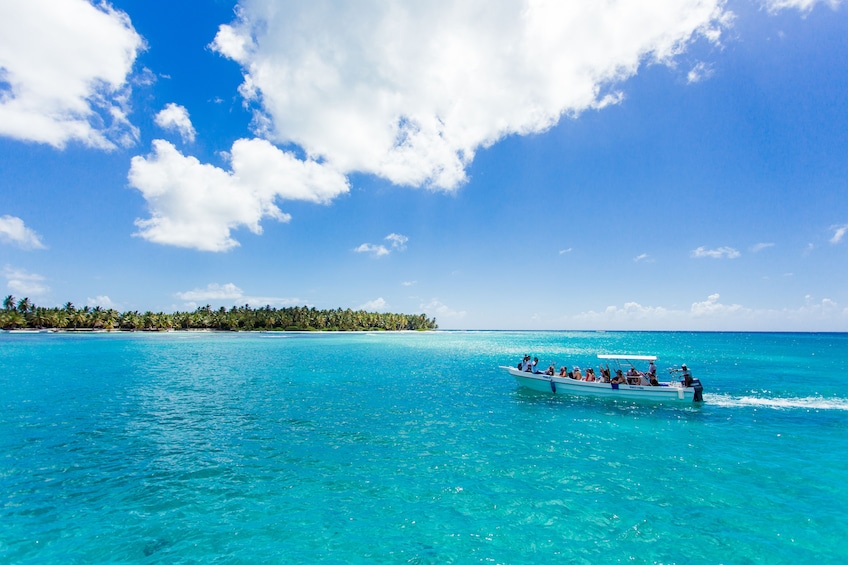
point(687, 376)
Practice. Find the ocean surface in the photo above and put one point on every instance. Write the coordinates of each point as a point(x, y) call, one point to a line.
point(416, 448)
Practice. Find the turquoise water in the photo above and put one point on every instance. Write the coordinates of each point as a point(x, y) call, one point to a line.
point(415, 448)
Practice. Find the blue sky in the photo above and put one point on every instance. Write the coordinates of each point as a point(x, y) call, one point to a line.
point(519, 165)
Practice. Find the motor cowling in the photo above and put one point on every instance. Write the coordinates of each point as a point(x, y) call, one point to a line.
point(699, 390)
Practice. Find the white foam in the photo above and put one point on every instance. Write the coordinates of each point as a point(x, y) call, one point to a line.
point(806, 403)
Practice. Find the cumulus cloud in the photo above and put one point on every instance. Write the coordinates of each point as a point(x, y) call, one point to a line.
point(13, 231)
point(197, 205)
point(64, 69)
point(718, 253)
point(377, 305)
point(712, 314)
point(24, 283)
point(213, 291)
point(712, 307)
point(756, 248)
point(174, 117)
point(103, 301)
point(409, 91)
point(232, 294)
point(634, 315)
point(838, 233)
point(398, 243)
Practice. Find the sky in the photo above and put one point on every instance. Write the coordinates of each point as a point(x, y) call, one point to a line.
point(647, 165)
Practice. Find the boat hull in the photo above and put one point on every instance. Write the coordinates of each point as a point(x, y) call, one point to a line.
point(564, 385)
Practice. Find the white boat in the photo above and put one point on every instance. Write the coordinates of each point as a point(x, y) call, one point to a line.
point(666, 391)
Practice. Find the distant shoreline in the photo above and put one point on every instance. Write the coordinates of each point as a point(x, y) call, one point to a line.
point(23, 314)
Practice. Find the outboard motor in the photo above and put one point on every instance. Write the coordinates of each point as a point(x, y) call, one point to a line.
point(699, 390)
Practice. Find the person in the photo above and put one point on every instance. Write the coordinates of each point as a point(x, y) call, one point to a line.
point(576, 374)
point(524, 363)
point(632, 376)
point(652, 369)
point(653, 379)
point(687, 376)
point(590, 375)
point(563, 372)
point(551, 370)
point(619, 378)
point(533, 365)
point(605, 374)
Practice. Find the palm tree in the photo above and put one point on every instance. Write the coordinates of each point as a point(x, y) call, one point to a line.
point(40, 318)
point(24, 305)
point(9, 302)
point(12, 319)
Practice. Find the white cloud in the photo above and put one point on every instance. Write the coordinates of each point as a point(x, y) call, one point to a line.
point(213, 291)
point(712, 314)
point(409, 91)
point(64, 70)
point(838, 233)
point(13, 231)
point(436, 309)
point(564, 251)
point(197, 205)
point(398, 243)
point(231, 294)
point(408, 283)
point(712, 307)
point(377, 305)
point(756, 248)
point(631, 312)
point(718, 253)
point(698, 73)
point(174, 117)
point(23, 283)
point(376, 250)
point(103, 301)
point(802, 5)
point(643, 258)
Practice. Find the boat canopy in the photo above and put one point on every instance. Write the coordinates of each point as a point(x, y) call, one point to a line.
point(625, 357)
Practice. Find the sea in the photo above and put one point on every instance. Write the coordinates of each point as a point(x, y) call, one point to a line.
point(414, 447)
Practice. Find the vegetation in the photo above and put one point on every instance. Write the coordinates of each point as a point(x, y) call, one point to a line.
point(23, 314)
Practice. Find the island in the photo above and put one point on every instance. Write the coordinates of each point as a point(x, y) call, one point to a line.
point(24, 314)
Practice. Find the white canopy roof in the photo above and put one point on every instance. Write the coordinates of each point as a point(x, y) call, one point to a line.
point(626, 357)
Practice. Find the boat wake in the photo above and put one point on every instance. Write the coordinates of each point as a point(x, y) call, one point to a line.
point(807, 403)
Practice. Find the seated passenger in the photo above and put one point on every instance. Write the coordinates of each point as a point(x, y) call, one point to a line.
point(605, 374)
point(576, 374)
point(551, 370)
point(563, 372)
point(619, 378)
point(524, 363)
point(653, 380)
point(590, 375)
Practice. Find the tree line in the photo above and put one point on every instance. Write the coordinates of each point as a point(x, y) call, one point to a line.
point(23, 314)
